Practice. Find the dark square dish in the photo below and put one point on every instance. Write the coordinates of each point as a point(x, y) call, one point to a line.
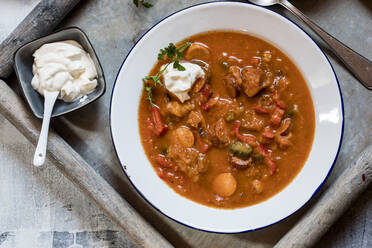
point(23, 61)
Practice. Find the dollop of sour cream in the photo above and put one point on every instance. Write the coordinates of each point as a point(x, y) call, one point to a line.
point(64, 66)
point(180, 82)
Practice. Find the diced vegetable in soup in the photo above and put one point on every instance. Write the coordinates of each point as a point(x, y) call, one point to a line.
point(232, 128)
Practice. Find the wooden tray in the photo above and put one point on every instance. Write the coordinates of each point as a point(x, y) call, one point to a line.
point(113, 27)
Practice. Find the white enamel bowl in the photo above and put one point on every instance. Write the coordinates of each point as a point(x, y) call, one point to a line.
point(270, 27)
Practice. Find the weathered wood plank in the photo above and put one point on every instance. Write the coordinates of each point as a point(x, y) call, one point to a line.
point(332, 204)
point(106, 34)
point(41, 21)
point(74, 167)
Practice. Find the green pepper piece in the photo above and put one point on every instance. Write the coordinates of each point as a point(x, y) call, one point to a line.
point(230, 116)
point(257, 158)
point(240, 150)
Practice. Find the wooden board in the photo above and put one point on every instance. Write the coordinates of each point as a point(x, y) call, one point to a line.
point(87, 131)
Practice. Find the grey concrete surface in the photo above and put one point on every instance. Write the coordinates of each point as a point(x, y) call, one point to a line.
point(40, 208)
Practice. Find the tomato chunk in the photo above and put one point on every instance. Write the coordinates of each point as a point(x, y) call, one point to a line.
point(255, 61)
point(206, 93)
point(159, 127)
point(206, 106)
point(278, 102)
point(277, 116)
point(261, 110)
point(203, 146)
point(163, 161)
point(161, 173)
point(268, 135)
point(249, 139)
point(267, 158)
point(271, 164)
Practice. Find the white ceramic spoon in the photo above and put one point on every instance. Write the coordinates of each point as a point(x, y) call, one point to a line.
point(50, 98)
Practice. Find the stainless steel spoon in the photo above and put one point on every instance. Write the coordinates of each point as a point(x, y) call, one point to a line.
point(360, 66)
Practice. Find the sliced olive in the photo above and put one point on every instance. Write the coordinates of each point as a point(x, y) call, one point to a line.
point(240, 150)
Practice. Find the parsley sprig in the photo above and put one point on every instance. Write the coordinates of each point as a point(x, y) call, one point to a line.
point(172, 53)
point(144, 3)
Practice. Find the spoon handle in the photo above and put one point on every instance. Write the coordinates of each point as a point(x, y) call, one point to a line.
point(360, 66)
point(40, 152)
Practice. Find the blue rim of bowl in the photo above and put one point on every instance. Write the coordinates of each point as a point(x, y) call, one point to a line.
point(95, 53)
point(249, 230)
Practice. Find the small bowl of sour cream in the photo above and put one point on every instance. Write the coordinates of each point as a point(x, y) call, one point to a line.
point(64, 61)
